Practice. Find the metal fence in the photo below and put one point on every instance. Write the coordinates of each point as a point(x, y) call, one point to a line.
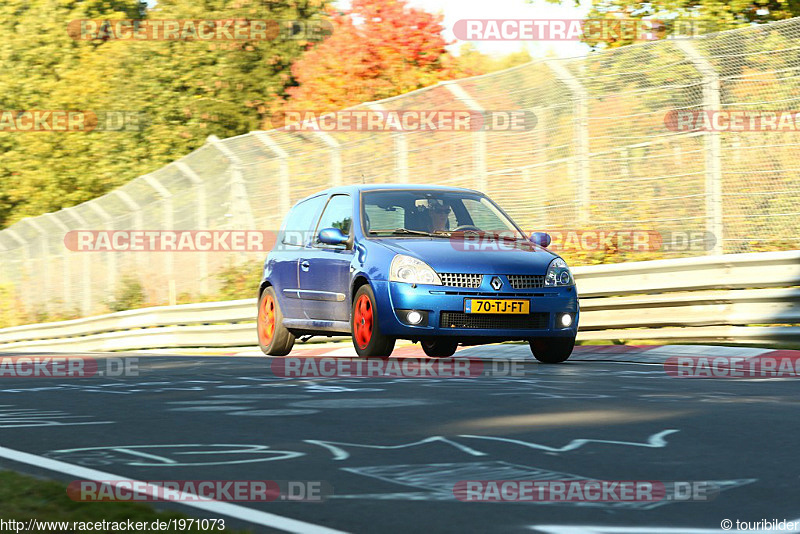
point(600, 156)
point(698, 299)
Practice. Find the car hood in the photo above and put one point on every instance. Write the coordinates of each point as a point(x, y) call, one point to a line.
point(450, 256)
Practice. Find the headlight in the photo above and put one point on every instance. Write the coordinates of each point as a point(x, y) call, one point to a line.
point(558, 274)
point(413, 271)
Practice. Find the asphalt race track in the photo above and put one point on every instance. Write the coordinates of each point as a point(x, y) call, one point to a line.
point(393, 448)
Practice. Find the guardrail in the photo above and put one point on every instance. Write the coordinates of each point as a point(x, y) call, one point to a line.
point(739, 298)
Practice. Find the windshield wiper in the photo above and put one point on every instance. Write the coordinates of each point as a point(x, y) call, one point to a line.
point(508, 237)
point(402, 231)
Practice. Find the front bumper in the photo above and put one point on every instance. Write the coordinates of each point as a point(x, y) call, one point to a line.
point(545, 306)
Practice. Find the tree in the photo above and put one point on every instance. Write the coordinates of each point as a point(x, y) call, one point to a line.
point(378, 49)
point(708, 16)
point(471, 62)
point(38, 59)
point(186, 90)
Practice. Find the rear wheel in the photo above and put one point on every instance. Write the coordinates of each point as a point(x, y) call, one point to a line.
point(552, 349)
point(273, 338)
point(367, 337)
point(439, 347)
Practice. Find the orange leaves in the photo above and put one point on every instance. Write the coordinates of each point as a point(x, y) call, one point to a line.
point(378, 49)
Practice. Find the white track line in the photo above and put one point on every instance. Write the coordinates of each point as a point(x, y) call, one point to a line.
point(223, 508)
point(597, 529)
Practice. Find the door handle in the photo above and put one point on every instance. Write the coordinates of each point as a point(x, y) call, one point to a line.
point(305, 265)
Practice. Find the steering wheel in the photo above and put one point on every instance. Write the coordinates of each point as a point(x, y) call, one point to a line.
point(467, 227)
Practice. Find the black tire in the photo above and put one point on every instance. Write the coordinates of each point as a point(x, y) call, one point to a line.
point(281, 341)
point(440, 347)
point(552, 349)
point(368, 340)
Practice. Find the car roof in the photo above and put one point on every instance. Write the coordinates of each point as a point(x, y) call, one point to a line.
point(357, 188)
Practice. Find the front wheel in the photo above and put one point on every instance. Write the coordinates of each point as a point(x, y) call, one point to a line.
point(439, 347)
point(367, 337)
point(273, 338)
point(552, 349)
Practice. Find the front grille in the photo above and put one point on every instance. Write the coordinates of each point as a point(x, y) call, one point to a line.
point(454, 319)
point(487, 294)
point(461, 279)
point(525, 281)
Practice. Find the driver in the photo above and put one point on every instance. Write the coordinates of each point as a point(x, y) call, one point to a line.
point(439, 213)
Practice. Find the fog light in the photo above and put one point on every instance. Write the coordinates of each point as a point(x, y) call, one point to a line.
point(414, 317)
point(566, 320)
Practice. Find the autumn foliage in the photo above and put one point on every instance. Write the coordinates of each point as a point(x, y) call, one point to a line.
point(188, 90)
point(379, 48)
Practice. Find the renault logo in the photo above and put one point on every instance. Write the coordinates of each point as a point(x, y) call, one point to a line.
point(496, 283)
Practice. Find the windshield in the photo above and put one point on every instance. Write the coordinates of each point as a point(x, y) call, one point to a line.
point(425, 213)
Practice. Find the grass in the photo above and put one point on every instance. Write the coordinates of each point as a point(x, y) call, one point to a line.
point(23, 497)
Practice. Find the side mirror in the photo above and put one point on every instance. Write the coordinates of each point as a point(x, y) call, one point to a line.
point(332, 236)
point(540, 238)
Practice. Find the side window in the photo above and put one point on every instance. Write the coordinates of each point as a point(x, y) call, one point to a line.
point(298, 222)
point(337, 214)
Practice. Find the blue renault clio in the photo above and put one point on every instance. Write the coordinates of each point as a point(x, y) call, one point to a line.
point(442, 266)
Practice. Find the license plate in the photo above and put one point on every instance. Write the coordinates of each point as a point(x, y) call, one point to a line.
point(496, 306)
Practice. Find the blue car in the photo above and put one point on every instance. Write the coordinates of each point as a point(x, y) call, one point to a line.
point(442, 266)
